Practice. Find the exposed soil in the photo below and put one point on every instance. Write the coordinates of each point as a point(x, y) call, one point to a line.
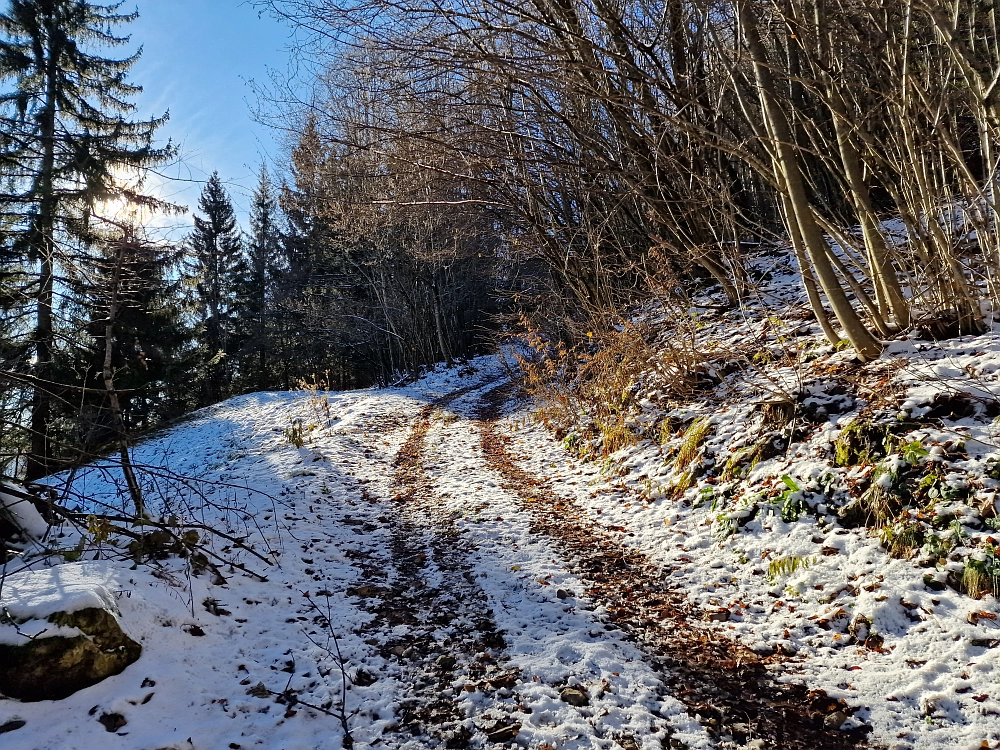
point(724, 685)
point(425, 546)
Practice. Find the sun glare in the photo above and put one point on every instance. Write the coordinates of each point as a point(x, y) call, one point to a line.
point(116, 209)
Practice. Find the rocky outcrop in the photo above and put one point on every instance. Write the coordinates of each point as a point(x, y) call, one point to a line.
point(55, 667)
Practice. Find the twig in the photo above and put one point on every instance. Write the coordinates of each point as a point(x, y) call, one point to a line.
point(339, 659)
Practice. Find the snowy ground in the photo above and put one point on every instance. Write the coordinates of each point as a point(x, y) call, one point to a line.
point(460, 621)
point(330, 515)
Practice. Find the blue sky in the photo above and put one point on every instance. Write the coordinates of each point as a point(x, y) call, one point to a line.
point(198, 58)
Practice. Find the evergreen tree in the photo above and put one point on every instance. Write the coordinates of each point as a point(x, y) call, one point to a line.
point(256, 293)
point(217, 265)
point(66, 135)
point(149, 359)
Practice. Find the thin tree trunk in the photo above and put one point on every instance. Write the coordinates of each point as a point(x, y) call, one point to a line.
point(883, 273)
point(135, 492)
point(866, 345)
point(808, 280)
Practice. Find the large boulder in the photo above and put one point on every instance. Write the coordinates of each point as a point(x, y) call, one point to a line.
point(61, 632)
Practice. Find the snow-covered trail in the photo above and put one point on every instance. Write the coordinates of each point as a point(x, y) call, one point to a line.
point(470, 604)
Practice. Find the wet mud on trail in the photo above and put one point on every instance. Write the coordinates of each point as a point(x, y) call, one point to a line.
point(724, 685)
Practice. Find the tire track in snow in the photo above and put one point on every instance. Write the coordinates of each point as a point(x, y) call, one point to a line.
point(724, 685)
point(443, 633)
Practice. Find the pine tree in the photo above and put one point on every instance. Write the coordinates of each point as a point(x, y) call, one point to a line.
point(256, 295)
point(149, 359)
point(216, 266)
point(66, 136)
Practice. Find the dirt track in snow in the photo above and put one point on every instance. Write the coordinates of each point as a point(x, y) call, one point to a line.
point(724, 686)
point(426, 584)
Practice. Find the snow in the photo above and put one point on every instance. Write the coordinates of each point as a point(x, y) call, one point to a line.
point(21, 512)
point(36, 594)
point(914, 656)
point(325, 512)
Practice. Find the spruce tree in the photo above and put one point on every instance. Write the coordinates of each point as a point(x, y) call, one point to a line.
point(67, 137)
point(216, 266)
point(150, 358)
point(257, 289)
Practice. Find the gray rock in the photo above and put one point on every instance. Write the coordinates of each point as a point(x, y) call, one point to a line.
point(54, 668)
point(834, 720)
point(574, 696)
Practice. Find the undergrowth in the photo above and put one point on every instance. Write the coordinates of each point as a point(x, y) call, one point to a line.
point(605, 391)
point(588, 390)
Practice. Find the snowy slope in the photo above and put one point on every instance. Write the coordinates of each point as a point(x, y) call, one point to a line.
point(458, 622)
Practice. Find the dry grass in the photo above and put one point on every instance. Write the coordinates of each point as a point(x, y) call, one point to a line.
point(591, 389)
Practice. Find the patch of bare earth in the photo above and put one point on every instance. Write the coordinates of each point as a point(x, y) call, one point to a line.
point(724, 685)
point(426, 585)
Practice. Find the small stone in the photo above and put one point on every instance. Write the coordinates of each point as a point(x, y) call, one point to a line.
point(113, 722)
point(504, 734)
point(364, 678)
point(564, 594)
point(458, 738)
point(574, 696)
point(834, 720)
point(445, 661)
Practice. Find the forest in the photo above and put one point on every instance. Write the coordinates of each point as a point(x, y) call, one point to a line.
point(459, 172)
point(616, 374)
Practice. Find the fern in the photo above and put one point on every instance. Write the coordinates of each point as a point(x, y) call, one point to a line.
point(692, 442)
point(786, 566)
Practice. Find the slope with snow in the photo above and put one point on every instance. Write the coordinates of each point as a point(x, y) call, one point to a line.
point(408, 568)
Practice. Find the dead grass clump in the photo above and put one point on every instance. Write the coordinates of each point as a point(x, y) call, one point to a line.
point(776, 414)
point(591, 388)
point(616, 437)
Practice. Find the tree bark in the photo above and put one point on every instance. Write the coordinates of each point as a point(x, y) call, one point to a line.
point(866, 345)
